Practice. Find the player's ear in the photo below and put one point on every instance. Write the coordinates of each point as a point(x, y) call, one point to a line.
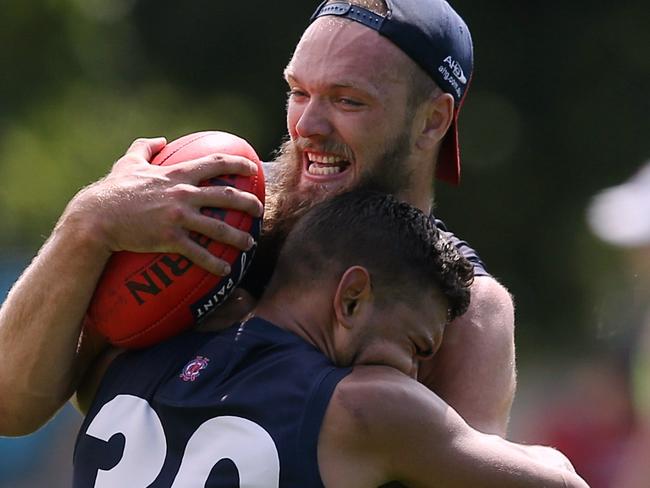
point(353, 295)
point(434, 118)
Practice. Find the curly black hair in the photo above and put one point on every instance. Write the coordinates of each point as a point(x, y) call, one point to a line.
point(399, 245)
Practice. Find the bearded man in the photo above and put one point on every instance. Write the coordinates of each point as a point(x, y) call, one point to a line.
point(375, 92)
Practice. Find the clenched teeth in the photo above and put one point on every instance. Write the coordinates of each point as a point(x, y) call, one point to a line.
point(322, 164)
point(315, 169)
point(324, 159)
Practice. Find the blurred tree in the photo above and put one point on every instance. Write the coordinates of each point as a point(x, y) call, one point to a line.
point(556, 111)
point(36, 55)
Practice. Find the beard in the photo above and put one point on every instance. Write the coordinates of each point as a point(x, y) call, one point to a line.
point(287, 200)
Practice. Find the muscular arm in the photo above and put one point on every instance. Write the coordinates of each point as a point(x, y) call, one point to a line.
point(381, 426)
point(474, 370)
point(40, 326)
point(137, 207)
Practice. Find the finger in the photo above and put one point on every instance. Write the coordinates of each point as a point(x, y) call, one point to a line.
point(219, 231)
point(203, 258)
point(227, 197)
point(212, 166)
point(146, 148)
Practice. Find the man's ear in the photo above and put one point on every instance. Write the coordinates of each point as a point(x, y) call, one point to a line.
point(436, 115)
point(353, 294)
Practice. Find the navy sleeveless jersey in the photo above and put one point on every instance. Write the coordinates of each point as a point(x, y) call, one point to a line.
point(465, 249)
point(237, 408)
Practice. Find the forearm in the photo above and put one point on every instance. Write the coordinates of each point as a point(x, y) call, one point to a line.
point(137, 207)
point(503, 463)
point(474, 370)
point(40, 326)
point(460, 456)
point(399, 430)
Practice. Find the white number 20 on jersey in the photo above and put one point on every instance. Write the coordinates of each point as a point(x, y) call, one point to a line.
point(245, 443)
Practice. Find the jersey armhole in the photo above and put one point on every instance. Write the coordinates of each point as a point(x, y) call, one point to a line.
point(312, 422)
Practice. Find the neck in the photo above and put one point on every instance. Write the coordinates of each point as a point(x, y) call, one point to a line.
point(419, 191)
point(418, 198)
point(302, 316)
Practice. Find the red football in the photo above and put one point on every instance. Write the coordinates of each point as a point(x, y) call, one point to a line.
point(144, 298)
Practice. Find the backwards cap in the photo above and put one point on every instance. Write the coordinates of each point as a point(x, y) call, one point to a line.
point(433, 35)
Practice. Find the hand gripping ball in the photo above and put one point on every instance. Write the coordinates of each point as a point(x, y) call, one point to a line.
point(144, 298)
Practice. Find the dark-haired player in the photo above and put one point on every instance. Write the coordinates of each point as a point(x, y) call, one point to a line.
point(363, 102)
point(317, 388)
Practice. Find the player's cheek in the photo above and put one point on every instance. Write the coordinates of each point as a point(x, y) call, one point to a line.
point(293, 116)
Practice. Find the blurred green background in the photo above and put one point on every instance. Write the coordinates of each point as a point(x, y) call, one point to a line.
point(558, 110)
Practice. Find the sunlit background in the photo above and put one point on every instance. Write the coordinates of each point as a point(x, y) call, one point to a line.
point(558, 110)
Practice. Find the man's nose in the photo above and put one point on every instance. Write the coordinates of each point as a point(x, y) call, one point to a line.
point(314, 120)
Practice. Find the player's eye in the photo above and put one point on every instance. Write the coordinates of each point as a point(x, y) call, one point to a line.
point(296, 93)
point(349, 102)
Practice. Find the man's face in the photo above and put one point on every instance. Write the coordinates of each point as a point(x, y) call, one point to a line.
point(347, 109)
point(399, 334)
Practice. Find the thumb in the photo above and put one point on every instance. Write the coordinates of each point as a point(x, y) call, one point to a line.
point(146, 148)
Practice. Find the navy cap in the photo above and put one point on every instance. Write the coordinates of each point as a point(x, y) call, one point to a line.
point(433, 35)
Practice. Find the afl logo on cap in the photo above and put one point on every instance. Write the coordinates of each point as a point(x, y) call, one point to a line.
point(192, 370)
point(456, 69)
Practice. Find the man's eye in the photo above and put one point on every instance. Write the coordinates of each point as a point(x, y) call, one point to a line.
point(350, 102)
point(295, 93)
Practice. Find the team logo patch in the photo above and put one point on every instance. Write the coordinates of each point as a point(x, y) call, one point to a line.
point(192, 369)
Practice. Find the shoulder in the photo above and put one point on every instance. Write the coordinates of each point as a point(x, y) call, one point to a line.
point(488, 325)
point(491, 299)
point(490, 317)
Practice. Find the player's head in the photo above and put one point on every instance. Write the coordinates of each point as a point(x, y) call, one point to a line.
point(387, 274)
point(437, 39)
point(363, 97)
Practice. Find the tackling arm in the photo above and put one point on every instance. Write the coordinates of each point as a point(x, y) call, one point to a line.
point(382, 426)
point(137, 207)
point(40, 326)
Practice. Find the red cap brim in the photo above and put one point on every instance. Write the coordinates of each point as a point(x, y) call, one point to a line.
point(448, 169)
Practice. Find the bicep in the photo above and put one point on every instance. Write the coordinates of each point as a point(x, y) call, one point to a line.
point(474, 370)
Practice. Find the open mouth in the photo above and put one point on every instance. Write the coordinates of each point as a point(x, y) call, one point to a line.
point(319, 164)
